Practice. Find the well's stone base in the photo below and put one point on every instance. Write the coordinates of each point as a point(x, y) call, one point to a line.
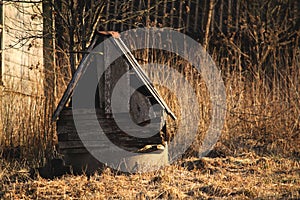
point(139, 163)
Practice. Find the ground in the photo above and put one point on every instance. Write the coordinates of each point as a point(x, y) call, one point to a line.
point(244, 176)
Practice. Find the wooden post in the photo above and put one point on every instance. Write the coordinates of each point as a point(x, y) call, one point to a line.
point(156, 13)
point(172, 14)
point(165, 13)
point(148, 14)
point(107, 82)
point(116, 13)
point(188, 15)
point(106, 27)
point(180, 14)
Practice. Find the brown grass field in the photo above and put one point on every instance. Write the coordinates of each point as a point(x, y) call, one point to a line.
point(257, 156)
point(245, 176)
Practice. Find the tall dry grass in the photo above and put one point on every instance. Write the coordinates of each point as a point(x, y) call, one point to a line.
point(263, 102)
point(263, 113)
point(27, 133)
point(263, 109)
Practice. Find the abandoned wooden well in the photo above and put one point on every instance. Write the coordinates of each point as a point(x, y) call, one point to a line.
point(150, 152)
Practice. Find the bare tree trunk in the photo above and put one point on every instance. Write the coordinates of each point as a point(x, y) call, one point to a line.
point(49, 68)
point(209, 17)
point(221, 15)
point(196, 16)
point(229, 17)
point(72, 35)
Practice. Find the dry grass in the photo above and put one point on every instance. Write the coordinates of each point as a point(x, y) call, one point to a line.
point(262, 110)
point(246, 176)
point(27, 133)
point(257, 155)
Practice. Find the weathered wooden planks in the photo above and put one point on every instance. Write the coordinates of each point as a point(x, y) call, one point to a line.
point(68, 137)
